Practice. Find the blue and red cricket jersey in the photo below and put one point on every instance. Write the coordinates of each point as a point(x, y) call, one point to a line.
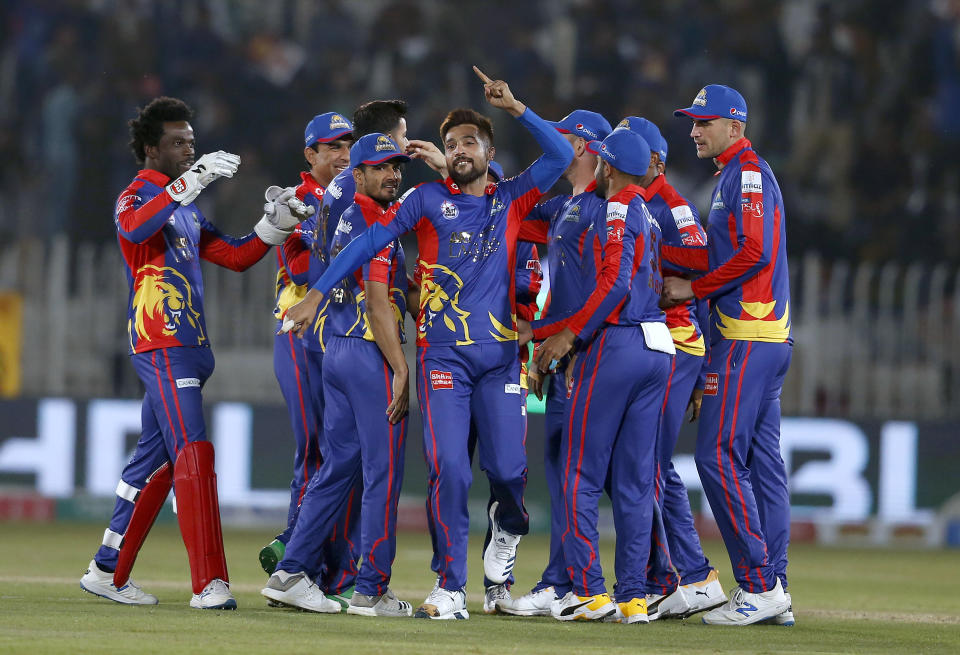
point(162, 243)
point(747, 281)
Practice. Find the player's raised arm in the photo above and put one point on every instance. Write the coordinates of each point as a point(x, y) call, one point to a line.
point(557, 151)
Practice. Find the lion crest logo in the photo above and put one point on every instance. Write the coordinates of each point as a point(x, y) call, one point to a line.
point(440, 301)
point(163, 303)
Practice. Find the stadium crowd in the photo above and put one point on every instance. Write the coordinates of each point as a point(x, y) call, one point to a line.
point(861, 93)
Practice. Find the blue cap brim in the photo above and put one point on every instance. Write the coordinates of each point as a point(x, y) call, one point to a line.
point(593, 147)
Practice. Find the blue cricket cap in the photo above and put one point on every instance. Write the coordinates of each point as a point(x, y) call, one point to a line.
point(716, 101)
point(626, 151)
point(589, 125)
point(496, 169)
point(327, 127)
point(650, 133)
point(374, 149)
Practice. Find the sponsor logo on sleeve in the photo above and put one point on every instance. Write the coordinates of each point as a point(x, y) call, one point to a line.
point(185, 383)
point(682, 216)
point(753, 209)
point(335, 190)
point(534, 265)
point(712, 385)
point(717, 202)
point(449, 210)
point(127, 202)
point(343, 227)
point(692, 238)
point(511, 388)
point(616, 211)
point(751, 182)
point(441, 379)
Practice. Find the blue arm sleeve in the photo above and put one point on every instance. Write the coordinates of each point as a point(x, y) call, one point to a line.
point(557, 151)
point(355, 255)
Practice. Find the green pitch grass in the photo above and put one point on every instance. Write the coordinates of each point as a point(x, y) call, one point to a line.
point(845, 601)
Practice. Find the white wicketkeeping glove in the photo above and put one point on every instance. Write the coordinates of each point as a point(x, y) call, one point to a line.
point(188, 186)
point(282, 212)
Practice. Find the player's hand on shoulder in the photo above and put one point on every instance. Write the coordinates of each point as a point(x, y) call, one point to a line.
point(282, 212)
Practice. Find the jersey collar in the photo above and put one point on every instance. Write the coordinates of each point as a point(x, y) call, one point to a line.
point(368, 205)
point(454, 188)
point(312, 185)
point(154, 177)
point(724, 157)
point(648, 193)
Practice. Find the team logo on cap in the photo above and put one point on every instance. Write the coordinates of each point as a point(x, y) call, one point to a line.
point(624, 123)
point(338, 122)
point(701, 98)
point(384, 143)
point(449, 210)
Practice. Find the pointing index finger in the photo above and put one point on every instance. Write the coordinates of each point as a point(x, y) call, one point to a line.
point(482, 75)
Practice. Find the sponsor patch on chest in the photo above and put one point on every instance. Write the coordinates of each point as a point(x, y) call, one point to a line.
point(712, 384)
point(441, 379)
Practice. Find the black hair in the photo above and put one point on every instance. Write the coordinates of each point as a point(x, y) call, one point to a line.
point(377, 116)
point(147, 128)
point(467, 117)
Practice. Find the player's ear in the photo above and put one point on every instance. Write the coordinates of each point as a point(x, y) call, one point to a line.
point(310, 155)
point(358, 175)
point(150, 151)
point(491, 152)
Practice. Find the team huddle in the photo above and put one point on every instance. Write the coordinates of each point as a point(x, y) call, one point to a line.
point(650, 313)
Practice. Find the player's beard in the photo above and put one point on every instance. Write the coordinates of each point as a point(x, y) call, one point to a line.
point(601, 188)
point(466, 178)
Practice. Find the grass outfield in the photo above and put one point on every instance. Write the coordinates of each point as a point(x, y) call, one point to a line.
point(845, 601)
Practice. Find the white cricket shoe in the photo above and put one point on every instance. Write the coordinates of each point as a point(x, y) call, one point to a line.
point(583, 608)
point(444, 604)
point(784, 618)
point(100, 583)
point(745, 608)
point(536, 603)
point(215, 596)
point(700, 596)
point(298, 590)
point(494, 596)
point(663, 606)
point(386, 604)
point(501, 553)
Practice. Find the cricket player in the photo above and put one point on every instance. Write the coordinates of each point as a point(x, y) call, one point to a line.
point(747, 284)
point(565, 223)
point(366, 390)
point(612, 419)
point(467, 365)
point(162, 236)
point(698, 587)
point(327, 140)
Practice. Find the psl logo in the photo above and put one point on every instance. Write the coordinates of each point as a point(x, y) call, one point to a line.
point(162, 302)
point(440, 300)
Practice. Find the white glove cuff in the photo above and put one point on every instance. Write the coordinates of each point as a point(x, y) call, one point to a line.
point(269, 233)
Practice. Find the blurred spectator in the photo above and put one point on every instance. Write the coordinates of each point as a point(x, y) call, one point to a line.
point(839, 91)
